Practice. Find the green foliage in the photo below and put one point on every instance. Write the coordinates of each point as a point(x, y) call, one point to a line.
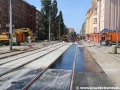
point(63, 29)
point(49, 9)
point(54, 11)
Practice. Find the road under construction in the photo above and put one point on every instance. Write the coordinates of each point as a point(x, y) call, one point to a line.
point(59, 66)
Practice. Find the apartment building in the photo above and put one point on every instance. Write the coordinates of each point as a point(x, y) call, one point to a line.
point(37, 19)
point(23, 15)
point(82, 31)
point(109, 14)
point(71, 32)
point(106, 15)
point(38, 33)
point(89, 23)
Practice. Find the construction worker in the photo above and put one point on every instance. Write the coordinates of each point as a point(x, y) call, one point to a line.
point(14, 41)
point(29, 39)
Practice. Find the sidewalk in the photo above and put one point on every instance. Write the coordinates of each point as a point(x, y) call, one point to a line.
point(105, 49)
point(108, 62)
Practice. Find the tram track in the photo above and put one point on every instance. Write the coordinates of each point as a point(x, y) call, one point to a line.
point(45, 69)
point(55, 79)
point(73, 69)
point(6, 71)
point(9, 54)
point(23, 55)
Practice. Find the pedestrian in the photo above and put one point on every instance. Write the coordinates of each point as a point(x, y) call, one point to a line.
point(14, 41)
point(29, 39)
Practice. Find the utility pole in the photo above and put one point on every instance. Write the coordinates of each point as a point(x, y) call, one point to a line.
point(117, 24)
point(49, 22)
point(10, 26)
point(59, 27)
point(64, 30)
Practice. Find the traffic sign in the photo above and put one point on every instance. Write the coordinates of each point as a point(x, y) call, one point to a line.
point(105, 29)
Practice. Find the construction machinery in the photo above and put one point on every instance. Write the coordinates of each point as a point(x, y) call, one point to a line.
point(21, 35)
point(65, 38)
point(109, 37)
point(4, 38)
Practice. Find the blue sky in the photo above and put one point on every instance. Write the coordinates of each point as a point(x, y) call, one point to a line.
point(74, 11)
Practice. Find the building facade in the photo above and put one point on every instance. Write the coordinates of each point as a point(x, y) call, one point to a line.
point(89, 23)
point(110, 14)
point(37, 23)
point(106, 15)
point(23, 15)
point(82, 32)
point(71, 32)
point(37, 19)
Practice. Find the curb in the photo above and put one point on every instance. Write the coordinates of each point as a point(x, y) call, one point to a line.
point(109, 54)
point(115, 57)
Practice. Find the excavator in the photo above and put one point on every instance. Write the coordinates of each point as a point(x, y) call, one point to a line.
point(20, 35)
point(4, 38)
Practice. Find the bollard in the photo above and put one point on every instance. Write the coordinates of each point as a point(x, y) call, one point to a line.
point(114, 49)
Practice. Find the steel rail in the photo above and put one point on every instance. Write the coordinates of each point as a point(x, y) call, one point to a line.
point(29, 49)
point(38, 76)
point(28, 62)
point(74, 65)
point(25, 56)
point(17, 53)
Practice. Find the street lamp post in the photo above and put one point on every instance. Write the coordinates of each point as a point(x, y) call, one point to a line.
point(10, 26)
point(59, 27)
point(117, 24)
point(49, 28)
point(49, 22)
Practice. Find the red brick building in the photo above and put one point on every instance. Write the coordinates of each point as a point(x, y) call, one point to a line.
point(23, 14)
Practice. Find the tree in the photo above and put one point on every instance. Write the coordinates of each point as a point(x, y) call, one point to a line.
point(44, 17)
point(66, 30)
point(61, 24)
point(49, 9)
point(41, 30)
point(54, 11)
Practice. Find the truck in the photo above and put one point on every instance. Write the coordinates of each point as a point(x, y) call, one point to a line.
point(20, 35)
point(109, 37)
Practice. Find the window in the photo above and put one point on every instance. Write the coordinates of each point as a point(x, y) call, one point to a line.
point(95, 11)
point(95, 29)
point(4, 2)
point(5, 19)
point(95, 20)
